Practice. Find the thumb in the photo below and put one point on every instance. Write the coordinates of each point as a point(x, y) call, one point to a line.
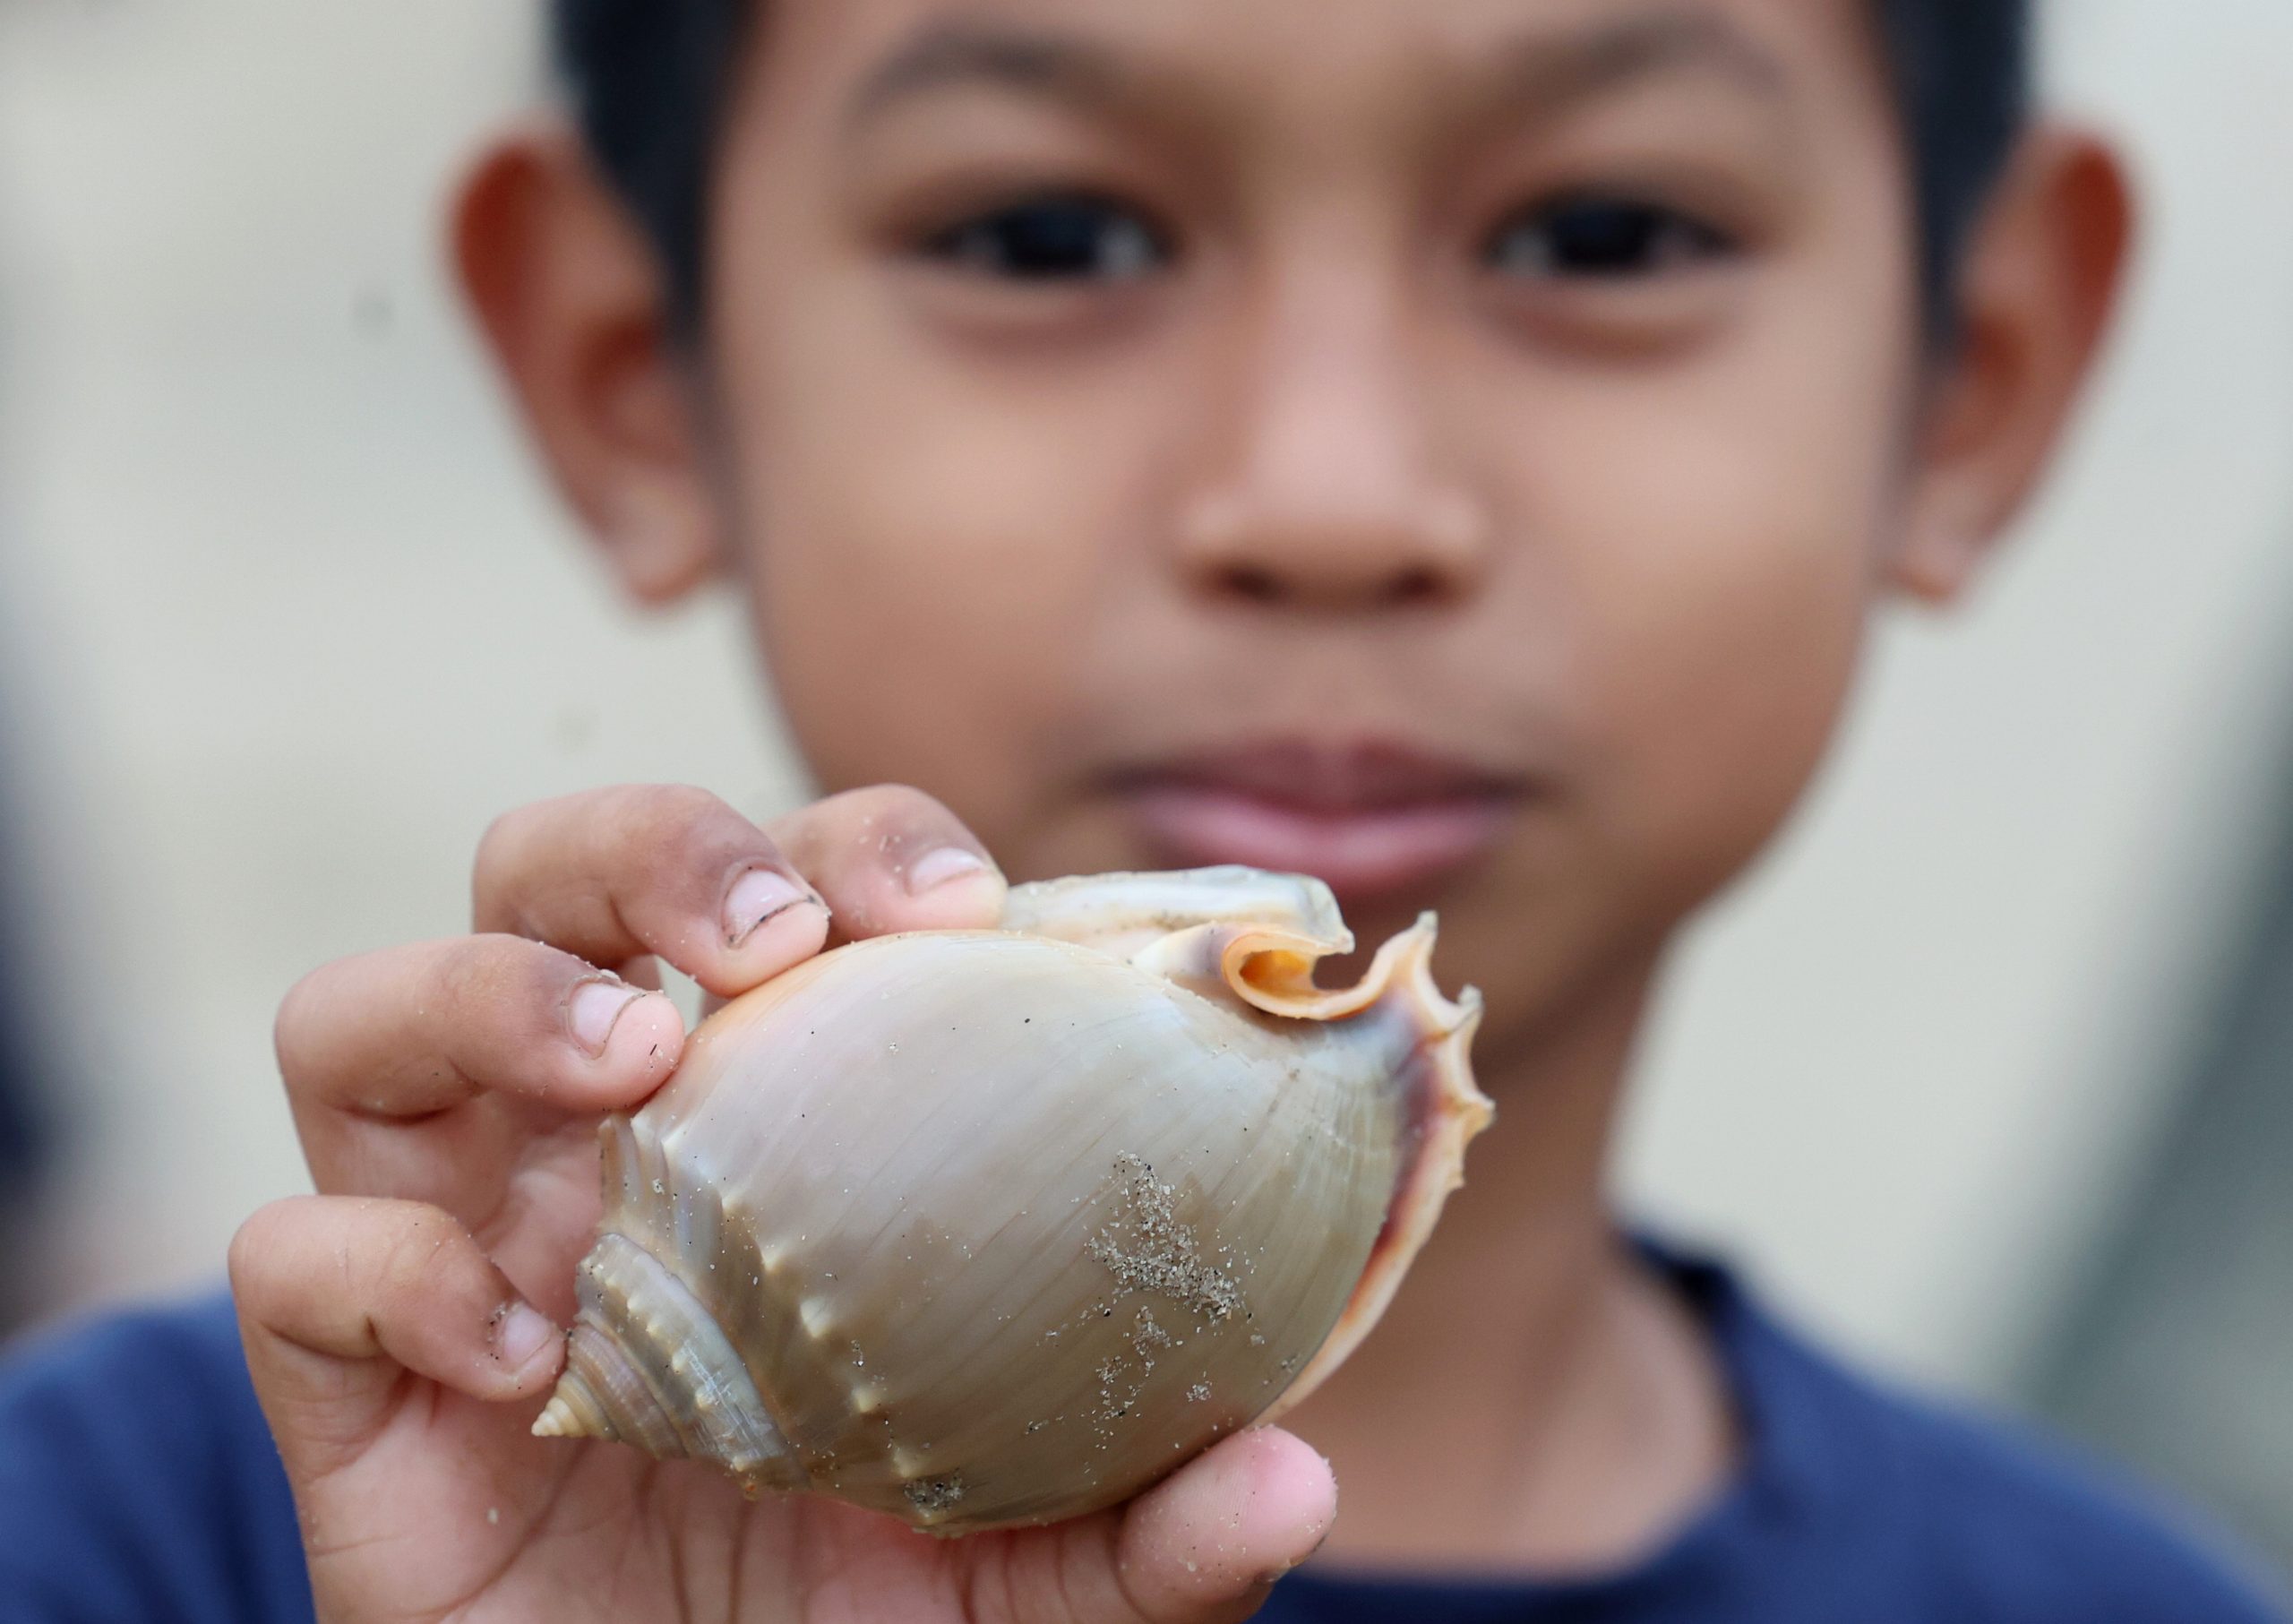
point(1203, 1547)
point(339, 1297)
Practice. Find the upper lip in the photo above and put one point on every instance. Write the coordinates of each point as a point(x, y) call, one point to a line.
point(1330, 778)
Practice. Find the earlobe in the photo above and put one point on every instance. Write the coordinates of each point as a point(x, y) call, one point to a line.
point(661, 541)
point(570, 299)
point(2034, 298)
point(1939, 561)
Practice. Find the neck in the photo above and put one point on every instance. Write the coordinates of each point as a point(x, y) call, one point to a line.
point(1572, 1405)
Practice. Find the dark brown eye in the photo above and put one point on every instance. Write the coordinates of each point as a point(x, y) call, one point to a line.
point(1604, 237)
point(1067, 238)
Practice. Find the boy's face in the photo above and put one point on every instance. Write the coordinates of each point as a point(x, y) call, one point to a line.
point(1446, 447)
point(1449, 447)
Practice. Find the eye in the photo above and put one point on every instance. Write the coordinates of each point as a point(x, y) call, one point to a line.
point(1604, 236)
point(1072, 237)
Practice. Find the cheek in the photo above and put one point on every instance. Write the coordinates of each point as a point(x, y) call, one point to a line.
point(1729, 683)
point(1744, 548)
point(1719, 594)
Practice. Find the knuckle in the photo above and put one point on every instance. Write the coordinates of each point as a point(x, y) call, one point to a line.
point(867, 823)
point(466, 977)
point(682, 840)
point(501, 840)
point(487, 981)
point(411, 1255)
point(911, 821)
point(264, 1248)
point(611, 867)
point(521, 841)
point(499, 876)
point(900, 802)
point(256, 1241)
point(293, 1030)
point(670, 814)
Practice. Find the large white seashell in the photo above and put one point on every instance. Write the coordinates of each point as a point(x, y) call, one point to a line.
point(985, 1228)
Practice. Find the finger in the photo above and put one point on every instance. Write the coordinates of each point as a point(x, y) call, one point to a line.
point(1203, 1547)
point(409, 1031)
point(1207, 1542)
point(613, 874)
point(339, 1298)
point(893, 859)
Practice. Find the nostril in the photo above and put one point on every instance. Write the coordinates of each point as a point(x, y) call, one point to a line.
point(1254, 585)
point(1420, 585)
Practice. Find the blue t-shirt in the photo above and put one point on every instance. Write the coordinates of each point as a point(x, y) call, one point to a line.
point(137, 1484)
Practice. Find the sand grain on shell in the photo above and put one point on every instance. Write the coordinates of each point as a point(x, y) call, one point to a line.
point(1160, 1254)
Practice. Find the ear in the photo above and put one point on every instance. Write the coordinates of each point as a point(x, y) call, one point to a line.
point(2041, 278)
point(570, 298)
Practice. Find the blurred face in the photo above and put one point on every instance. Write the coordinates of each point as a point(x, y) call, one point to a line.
point(1449, 447)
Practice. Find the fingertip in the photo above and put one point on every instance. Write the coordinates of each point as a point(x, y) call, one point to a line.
point(1293, 1492)
point(1229, 1523)
point(783, 937)
point(889, 859)
point(337, 1293)
point(950, 889)
point(528, 1350)
point(642, 1049)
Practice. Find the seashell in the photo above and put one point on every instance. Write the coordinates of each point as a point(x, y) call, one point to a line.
point(992, 1228)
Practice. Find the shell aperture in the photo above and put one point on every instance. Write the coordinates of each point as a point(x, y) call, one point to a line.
point(994, 1228)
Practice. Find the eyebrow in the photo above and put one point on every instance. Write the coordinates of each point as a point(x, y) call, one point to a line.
point(1549, 74)
point(950, 55)
point(1544, 75)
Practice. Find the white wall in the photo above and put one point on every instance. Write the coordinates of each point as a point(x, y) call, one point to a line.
point(287, 620)
point(1910, 1064)
point(281, 602)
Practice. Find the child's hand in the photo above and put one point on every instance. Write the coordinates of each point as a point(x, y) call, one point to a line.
point(402, 1325)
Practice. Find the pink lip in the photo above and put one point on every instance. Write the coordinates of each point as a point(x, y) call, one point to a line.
point(1375, 822)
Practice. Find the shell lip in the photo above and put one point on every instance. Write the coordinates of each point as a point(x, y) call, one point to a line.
point(1447, 1111)
point(1272, 969)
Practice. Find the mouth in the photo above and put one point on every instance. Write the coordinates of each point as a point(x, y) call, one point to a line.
point(1376, 822)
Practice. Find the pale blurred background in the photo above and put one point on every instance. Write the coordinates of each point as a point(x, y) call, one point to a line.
point(1984, 1075)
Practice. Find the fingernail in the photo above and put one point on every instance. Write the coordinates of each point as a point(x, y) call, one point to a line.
point(933, 870)
point(524, 1332)
point(595, 1010)
point(756, 897)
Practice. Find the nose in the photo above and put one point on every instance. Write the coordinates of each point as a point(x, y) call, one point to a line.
point(1331, 498)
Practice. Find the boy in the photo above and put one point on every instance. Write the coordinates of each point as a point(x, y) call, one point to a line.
point(1451, 448)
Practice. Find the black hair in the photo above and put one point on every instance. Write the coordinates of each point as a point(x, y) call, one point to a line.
point(650, 80)
point(1964, 75)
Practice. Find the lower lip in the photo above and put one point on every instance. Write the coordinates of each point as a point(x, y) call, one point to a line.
point(1369, 853)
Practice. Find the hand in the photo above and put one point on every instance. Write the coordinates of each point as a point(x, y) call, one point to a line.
point(402, 1326)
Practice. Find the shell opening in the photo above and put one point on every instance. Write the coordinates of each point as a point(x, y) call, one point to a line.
point(1273, 970)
